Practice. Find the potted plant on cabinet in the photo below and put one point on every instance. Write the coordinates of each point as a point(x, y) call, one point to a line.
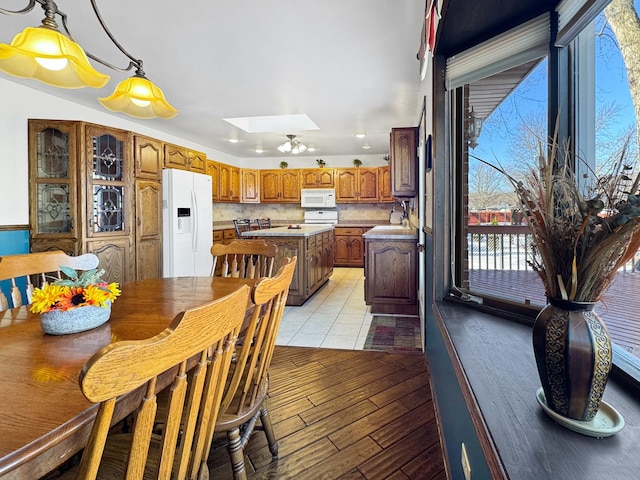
point(320, 163)
point(581, 236)
point(357, 162)
point(284, 164)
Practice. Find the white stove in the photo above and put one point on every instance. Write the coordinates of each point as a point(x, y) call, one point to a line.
point(321, 217)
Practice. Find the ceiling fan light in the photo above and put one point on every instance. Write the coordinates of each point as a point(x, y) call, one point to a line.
point(285, 147)
point(46, 55)
point(298, 148)
point(139, 97)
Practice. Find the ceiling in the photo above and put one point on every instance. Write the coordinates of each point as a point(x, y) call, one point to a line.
point(350, 66)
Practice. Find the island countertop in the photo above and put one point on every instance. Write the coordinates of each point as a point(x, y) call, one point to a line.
point(302, 231)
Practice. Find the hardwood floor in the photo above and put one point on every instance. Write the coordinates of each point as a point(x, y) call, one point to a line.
point(345, 414)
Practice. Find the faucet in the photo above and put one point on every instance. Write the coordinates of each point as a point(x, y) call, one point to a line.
point(403, 204)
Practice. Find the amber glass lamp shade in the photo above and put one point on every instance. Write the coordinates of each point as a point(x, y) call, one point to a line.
point(47, 55)
point(139, 97)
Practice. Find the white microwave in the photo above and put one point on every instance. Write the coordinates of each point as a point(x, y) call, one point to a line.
point(317, 197)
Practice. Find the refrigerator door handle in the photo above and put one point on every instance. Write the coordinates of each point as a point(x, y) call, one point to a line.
point(194, 238)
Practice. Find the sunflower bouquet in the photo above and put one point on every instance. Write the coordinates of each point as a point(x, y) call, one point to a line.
point(74, 291)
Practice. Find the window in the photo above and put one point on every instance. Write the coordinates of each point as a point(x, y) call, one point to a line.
point(490, 244)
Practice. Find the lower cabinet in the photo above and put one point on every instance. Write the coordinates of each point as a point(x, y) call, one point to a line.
point(391, 276)
point(314, 266)
point(349, 246)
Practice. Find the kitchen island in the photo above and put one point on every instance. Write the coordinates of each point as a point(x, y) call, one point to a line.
point(313, 245)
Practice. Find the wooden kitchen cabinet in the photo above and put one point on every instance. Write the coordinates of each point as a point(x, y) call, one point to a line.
point(250, 191)
point(224, 235)
point(315, 261)
point(213, 170)
point(384, 185)
point(229, 183)
point(317, 178)
point(403, 160)
point(148, 197)
point(391, 275)
point(149, 157)
point(183, 158)
point(349, 246)
point(357, 185)
point(84, 196)
point(280, 186)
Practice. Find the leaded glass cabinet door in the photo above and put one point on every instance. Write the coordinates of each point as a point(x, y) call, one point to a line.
point(52, 164)
point(109, 173)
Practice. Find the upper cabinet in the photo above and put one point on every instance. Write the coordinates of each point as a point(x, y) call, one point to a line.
point(404, 151)
point(357, 185)
point(213, 170)
point(250, 186)
point(280, 186)
point(149, 155)
point(184, 159)
point(229, 183)
point(384, 184)
point(318, 178)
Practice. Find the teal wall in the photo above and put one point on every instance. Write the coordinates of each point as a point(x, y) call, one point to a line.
point(13, 242)
point(454, 416)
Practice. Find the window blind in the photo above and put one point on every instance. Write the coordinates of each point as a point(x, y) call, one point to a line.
point(514, 47)
point(575, 15)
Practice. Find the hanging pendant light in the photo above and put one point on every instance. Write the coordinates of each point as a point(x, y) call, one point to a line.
point(139, 97)
point(46, 55)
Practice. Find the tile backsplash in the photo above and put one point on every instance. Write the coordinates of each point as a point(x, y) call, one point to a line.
point(225, 212)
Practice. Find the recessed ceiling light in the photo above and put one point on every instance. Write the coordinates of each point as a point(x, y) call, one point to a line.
point(311, 148)
point(234, 140)
point(259, 150)
point(366, 147)
point(360, 135)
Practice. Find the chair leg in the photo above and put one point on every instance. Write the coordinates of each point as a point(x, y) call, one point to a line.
point(236, 453)
point(265, 418)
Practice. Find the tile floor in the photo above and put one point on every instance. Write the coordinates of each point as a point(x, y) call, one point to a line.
point(335, 317)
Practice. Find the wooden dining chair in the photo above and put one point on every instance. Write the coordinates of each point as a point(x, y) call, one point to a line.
point(26, 271)
point(241, 225)
point(243, 259)
point(247, 387)
point(204, 336)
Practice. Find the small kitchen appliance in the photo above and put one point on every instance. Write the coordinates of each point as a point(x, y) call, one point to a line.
point(318, 198)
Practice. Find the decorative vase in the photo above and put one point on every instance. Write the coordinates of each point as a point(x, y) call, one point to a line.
point(573, 354)
point(57, 322)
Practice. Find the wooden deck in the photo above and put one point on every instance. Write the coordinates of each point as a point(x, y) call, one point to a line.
point(620, 305)
point(345, 414)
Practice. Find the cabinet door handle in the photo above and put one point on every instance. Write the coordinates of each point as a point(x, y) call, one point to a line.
point(420, 247)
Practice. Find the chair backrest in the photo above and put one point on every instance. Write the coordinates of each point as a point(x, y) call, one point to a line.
point(207, 333)
point(242, 225)
point(39, 269)
point(247, 385)
point(263, 223)
point(243, 259)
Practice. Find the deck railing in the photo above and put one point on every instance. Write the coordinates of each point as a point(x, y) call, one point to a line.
point(508, 247)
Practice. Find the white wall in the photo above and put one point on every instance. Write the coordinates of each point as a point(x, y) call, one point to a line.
point(19, 103)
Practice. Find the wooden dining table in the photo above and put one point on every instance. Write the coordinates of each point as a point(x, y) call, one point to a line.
point(44, 417)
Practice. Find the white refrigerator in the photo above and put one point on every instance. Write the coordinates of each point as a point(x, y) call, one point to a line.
point(187, 216)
